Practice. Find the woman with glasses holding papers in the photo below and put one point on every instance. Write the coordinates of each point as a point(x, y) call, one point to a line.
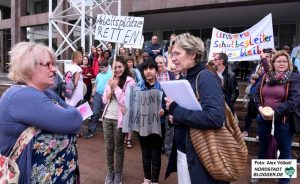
point(186, 54)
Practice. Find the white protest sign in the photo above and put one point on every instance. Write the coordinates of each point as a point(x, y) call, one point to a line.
point(137, 46)
point(119, 29)
point(85, 110)
point(244, 46)
point(142, 111)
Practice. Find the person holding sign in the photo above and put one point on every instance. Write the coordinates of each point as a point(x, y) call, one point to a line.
point(114, 98)
point(186, 54)
point(279, 90)
point(151, 145)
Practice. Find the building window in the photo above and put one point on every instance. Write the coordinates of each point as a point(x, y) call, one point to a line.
point(41, 7)
point(195, 32)
point(178, 32)
point(167, 34)
point(237, 29)
point(287, 34)
point(224, 29)
point(148, 36)
point(206, 33)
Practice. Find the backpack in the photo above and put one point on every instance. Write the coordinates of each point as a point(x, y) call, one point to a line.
point(9, 169)
point(68, 85)
point(223, 152)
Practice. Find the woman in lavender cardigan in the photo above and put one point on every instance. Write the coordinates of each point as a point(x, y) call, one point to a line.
point(51, 155)
point(273, 92)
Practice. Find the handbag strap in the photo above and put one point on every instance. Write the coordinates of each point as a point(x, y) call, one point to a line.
point(196, 88)
point(260, 90)
point(22, 142)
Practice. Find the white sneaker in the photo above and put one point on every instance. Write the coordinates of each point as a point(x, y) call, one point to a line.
point(109, 179)
point(118, 179)
point(146, 181)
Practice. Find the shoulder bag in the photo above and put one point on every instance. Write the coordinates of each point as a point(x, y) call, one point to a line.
point(223, 151)
point(9, 170)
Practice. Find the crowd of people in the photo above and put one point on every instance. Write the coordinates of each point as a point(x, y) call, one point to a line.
point(103, 81)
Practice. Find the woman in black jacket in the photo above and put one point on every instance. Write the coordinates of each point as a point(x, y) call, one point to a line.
point(186, 53)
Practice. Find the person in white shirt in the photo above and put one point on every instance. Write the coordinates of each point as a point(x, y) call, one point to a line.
point(78, 81)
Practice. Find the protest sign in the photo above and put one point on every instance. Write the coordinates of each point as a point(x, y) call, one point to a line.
point(142, 111)
point(137, 46)
point(244, 46)
point(119, 29)
point(85, 110)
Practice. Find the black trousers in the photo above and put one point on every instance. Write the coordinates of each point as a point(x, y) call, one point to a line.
point(151, 156)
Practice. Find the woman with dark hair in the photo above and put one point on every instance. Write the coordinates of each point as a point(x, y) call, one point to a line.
point(98, 57)
point(107, 57)
point(114, 98)
point(87, 75)
point(151, 145)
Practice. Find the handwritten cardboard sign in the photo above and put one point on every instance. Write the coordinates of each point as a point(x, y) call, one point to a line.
point(142, 109)
point(119, 29)
point(85, 110)
point(244, 46)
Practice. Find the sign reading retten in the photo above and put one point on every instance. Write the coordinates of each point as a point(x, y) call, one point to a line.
point(119, 29)
point(244, 46)
point(142, 111)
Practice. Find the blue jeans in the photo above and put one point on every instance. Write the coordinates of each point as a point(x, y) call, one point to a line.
point(97, 111)
point(283, 136)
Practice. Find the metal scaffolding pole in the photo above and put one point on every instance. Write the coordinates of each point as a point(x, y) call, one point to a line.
point(64, 21)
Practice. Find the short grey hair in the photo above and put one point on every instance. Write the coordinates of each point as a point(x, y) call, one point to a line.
point(160, 57)
point(23, 58)
point(190, 44)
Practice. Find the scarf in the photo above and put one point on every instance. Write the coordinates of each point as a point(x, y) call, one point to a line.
point(278, 78)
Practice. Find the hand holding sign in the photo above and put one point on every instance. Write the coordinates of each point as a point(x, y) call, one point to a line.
point(168, 102)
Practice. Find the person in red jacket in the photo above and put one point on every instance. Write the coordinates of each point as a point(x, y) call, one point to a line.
point(87, 74)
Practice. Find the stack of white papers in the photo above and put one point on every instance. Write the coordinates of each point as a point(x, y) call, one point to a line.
point(182, 93)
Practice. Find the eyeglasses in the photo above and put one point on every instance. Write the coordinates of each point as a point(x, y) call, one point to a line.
point(49, 65)
point(281, 62)
point(99, 50)
point(286, 48)
point(175, 54)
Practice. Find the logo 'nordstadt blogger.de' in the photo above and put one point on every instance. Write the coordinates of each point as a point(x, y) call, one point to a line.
point(272, 168)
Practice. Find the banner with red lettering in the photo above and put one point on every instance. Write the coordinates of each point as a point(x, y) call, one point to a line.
point(120, 29)
point(244, 46)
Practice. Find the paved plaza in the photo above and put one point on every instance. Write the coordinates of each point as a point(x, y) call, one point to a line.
point(93, 167)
